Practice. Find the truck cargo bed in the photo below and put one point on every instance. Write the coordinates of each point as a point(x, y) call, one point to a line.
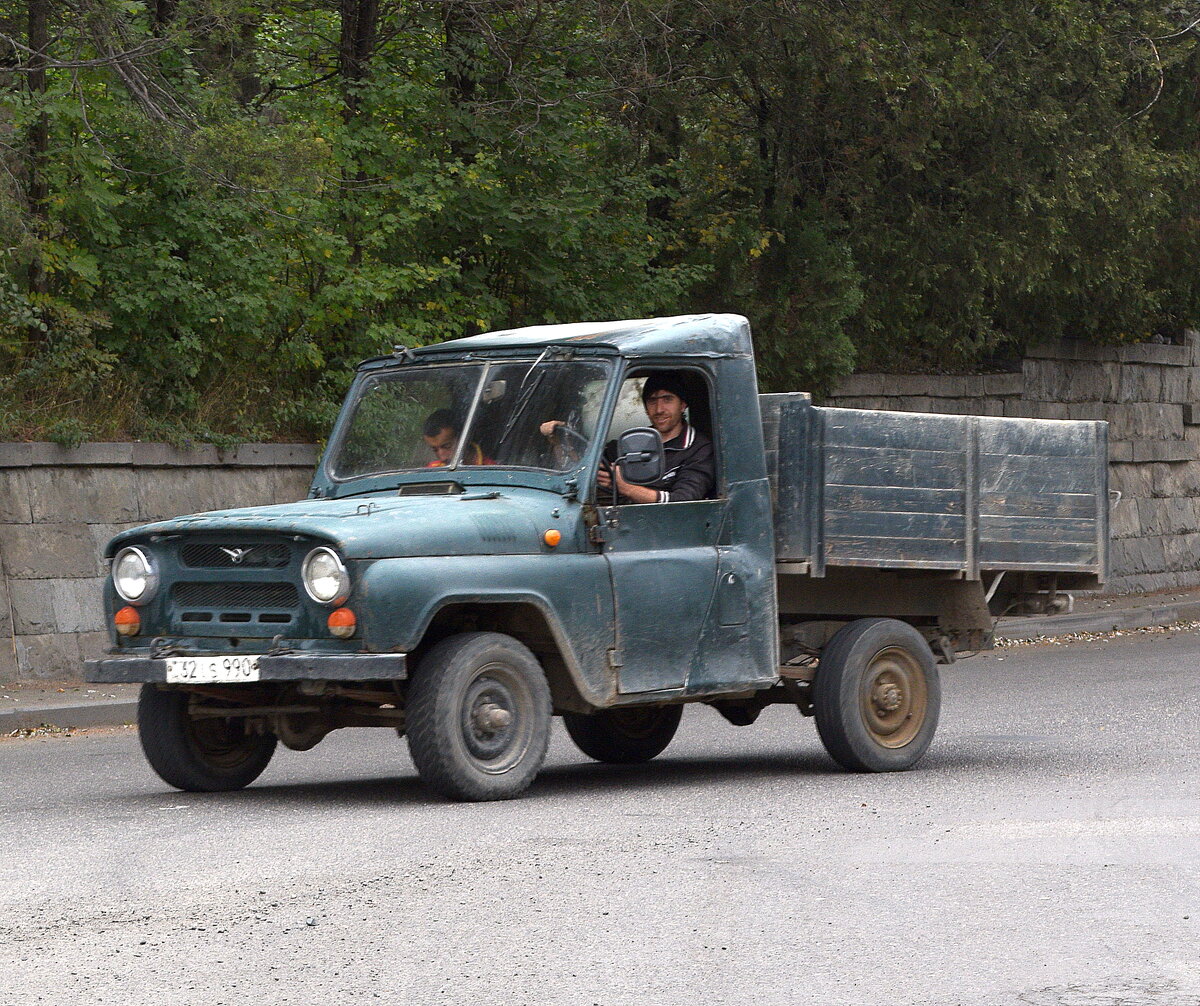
point(902, 490)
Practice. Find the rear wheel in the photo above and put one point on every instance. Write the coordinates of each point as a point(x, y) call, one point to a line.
point(478, 717)
point(624, 736)
point(877, 696)
point(198, 753)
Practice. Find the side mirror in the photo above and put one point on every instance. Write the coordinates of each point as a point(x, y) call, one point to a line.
point(640, 455)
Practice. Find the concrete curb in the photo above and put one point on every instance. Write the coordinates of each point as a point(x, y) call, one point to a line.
point(1097, 621)
point(91, 714)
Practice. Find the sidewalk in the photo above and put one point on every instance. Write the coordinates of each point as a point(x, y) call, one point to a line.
point(29, 705)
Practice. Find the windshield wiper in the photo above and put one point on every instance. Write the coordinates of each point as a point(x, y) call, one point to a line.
point(525, 396)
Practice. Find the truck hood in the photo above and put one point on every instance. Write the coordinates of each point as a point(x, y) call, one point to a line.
point(378, 527)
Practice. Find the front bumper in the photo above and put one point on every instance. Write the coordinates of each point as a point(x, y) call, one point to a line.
point(278, 667)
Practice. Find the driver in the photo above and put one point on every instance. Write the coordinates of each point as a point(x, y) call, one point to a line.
point(691, 469)
point(441, 434)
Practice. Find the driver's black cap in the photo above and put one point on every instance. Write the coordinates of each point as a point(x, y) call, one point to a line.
point(667, 380)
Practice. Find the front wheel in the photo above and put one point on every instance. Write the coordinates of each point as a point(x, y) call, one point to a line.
point(206, 754)
point(877, 696)
point(478, 717)
point(624, 736)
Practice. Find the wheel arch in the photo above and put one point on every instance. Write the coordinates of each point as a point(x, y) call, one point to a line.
point(527, 619)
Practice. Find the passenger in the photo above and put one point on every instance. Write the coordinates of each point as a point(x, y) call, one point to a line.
point(691, 467)
point(441, 434)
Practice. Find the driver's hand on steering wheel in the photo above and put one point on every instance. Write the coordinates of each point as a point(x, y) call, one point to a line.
point(549, 426)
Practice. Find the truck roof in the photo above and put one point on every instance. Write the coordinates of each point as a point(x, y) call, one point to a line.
point(714, 335)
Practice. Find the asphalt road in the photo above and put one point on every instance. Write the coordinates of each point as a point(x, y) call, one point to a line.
point(1047, 851)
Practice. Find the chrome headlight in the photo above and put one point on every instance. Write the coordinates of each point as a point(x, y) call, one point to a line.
point(134, 575)
point(325, 577)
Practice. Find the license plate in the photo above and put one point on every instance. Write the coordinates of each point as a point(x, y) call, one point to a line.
point(211, 670)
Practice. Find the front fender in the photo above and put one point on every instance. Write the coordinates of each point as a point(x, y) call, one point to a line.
point(396, 599)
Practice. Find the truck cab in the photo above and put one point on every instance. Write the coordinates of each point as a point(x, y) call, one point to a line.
point(460, 574)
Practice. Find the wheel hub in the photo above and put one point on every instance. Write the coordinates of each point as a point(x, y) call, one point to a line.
point(887, 697)
point(495, 724)
point(894, 697)
point(490, 718)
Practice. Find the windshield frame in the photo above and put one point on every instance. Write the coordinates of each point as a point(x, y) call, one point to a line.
point(328, 484)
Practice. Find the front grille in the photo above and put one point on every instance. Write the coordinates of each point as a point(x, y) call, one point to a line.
point(235, 596)
point(202, 555)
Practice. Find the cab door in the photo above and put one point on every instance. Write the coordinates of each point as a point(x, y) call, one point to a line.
point(662, 558)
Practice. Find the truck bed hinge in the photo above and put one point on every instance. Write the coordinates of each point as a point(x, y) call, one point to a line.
point(614, 659)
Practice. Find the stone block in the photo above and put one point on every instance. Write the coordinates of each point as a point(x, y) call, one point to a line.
point(1130, 480)
point(1143, 421)
point(1003, 384)
point(9, 669)
point(6, 626)
point(1141, 383)
point(1087, 411)
point(1173, 480)
point(1071, 349)
point(1180, 516)
point(291, 484)
point(238, 487)
point(1163, 355)
point(86, 455)
point(1079, 381)
point(1120, 451)
point(862, 386)
point(163, 493)
point(15, 506)
point(1182, 551)
point(1138, 555)
point(1049, 410)
point(51, 655)
point(912, 404)
point(166, 456)
point(953, 386)
point(86, 495)
point(1176, 385)
point(1124, 520)
point(33, 606)
point(91, 645)
point(1191, 414)
point(44, 551)
point(79, 605)
point(1163, 450)
point(272, 455)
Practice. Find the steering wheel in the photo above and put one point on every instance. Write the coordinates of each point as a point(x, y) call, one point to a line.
point(564, 428)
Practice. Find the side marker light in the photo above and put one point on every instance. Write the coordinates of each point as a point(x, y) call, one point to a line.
point(552, 537)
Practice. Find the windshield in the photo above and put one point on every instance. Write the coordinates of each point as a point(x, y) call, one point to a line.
point(472, 415)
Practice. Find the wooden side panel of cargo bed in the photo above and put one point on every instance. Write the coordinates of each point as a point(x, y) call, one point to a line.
point(896, 488)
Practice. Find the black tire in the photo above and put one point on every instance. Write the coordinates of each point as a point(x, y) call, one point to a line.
point(624, 736)
point(877, 696)
point(198, 755)
point(478, 717)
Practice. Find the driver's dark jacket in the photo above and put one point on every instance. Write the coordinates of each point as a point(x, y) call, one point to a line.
point(691, 469)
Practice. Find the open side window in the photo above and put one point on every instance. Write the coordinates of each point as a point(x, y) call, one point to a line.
point(631, 413)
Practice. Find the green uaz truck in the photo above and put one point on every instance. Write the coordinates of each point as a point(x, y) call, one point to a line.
point(462, 591)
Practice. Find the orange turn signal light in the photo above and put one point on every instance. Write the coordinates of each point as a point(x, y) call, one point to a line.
point(342, 623)
point(127, 621)
point(552, 537)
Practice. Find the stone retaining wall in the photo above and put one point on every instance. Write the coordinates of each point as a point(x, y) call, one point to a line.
point(59, 507)
point(1150, 396)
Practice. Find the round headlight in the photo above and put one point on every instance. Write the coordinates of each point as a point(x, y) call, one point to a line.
point(134, 575)
point(325, 576)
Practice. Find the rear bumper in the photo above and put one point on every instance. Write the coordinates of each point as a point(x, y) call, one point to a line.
point(280, 667)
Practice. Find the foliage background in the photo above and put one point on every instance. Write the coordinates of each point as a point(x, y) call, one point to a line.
point(210, 209)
